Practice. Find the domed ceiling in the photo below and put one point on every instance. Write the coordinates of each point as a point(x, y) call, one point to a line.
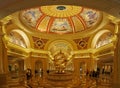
point(60, 19)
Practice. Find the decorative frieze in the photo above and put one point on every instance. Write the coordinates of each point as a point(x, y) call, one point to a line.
point(82, 55)
point(42, 55)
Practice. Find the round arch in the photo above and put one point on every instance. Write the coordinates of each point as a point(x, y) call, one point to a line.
point(97, 36)
point(23, 35)
point(60, 46)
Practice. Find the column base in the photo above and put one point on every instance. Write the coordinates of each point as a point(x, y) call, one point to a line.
point(3, 81)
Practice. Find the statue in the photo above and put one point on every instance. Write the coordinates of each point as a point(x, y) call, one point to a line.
point(60, 61)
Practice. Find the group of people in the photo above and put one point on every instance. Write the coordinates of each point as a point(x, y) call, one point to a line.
point(93, 73)
point(107, 71)
point(29, 76)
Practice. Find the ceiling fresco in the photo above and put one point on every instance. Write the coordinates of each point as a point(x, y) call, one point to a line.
point(106, 38)
point(60, 19)
point(17, 39)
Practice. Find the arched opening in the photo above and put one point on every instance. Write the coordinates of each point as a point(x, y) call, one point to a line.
point(18, 37)
point(78, 50)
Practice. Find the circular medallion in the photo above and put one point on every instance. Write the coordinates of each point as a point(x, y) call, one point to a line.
point(82, 44)
point(39, 43)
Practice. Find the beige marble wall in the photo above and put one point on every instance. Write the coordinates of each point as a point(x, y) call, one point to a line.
point(33, 61)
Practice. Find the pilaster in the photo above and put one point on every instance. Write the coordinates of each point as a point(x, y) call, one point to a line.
point(116, 76)
point(3, 60)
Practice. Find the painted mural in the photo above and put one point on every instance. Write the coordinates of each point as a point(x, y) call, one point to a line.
point(60, 19)
point(104, 39)
point(31, 16)
point(17, 39)
point(90, 17)
point(61, 26)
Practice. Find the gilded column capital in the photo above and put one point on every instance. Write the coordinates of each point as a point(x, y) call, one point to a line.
point(114, 19)
point(5, 21)
point(1, 34)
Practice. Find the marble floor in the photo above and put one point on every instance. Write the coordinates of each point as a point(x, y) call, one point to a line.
point(103, 81)
point(85, 83)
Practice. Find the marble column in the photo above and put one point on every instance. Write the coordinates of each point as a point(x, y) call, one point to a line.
point(3, 62)
point(116, 69)
point(77, 75)
point(92, 62)
point(27, 63)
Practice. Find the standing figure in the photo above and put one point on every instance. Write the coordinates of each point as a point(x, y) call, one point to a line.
point(29, 77)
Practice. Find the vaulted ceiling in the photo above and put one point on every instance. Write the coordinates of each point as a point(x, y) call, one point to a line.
point(9, 6)
point(60, 19)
